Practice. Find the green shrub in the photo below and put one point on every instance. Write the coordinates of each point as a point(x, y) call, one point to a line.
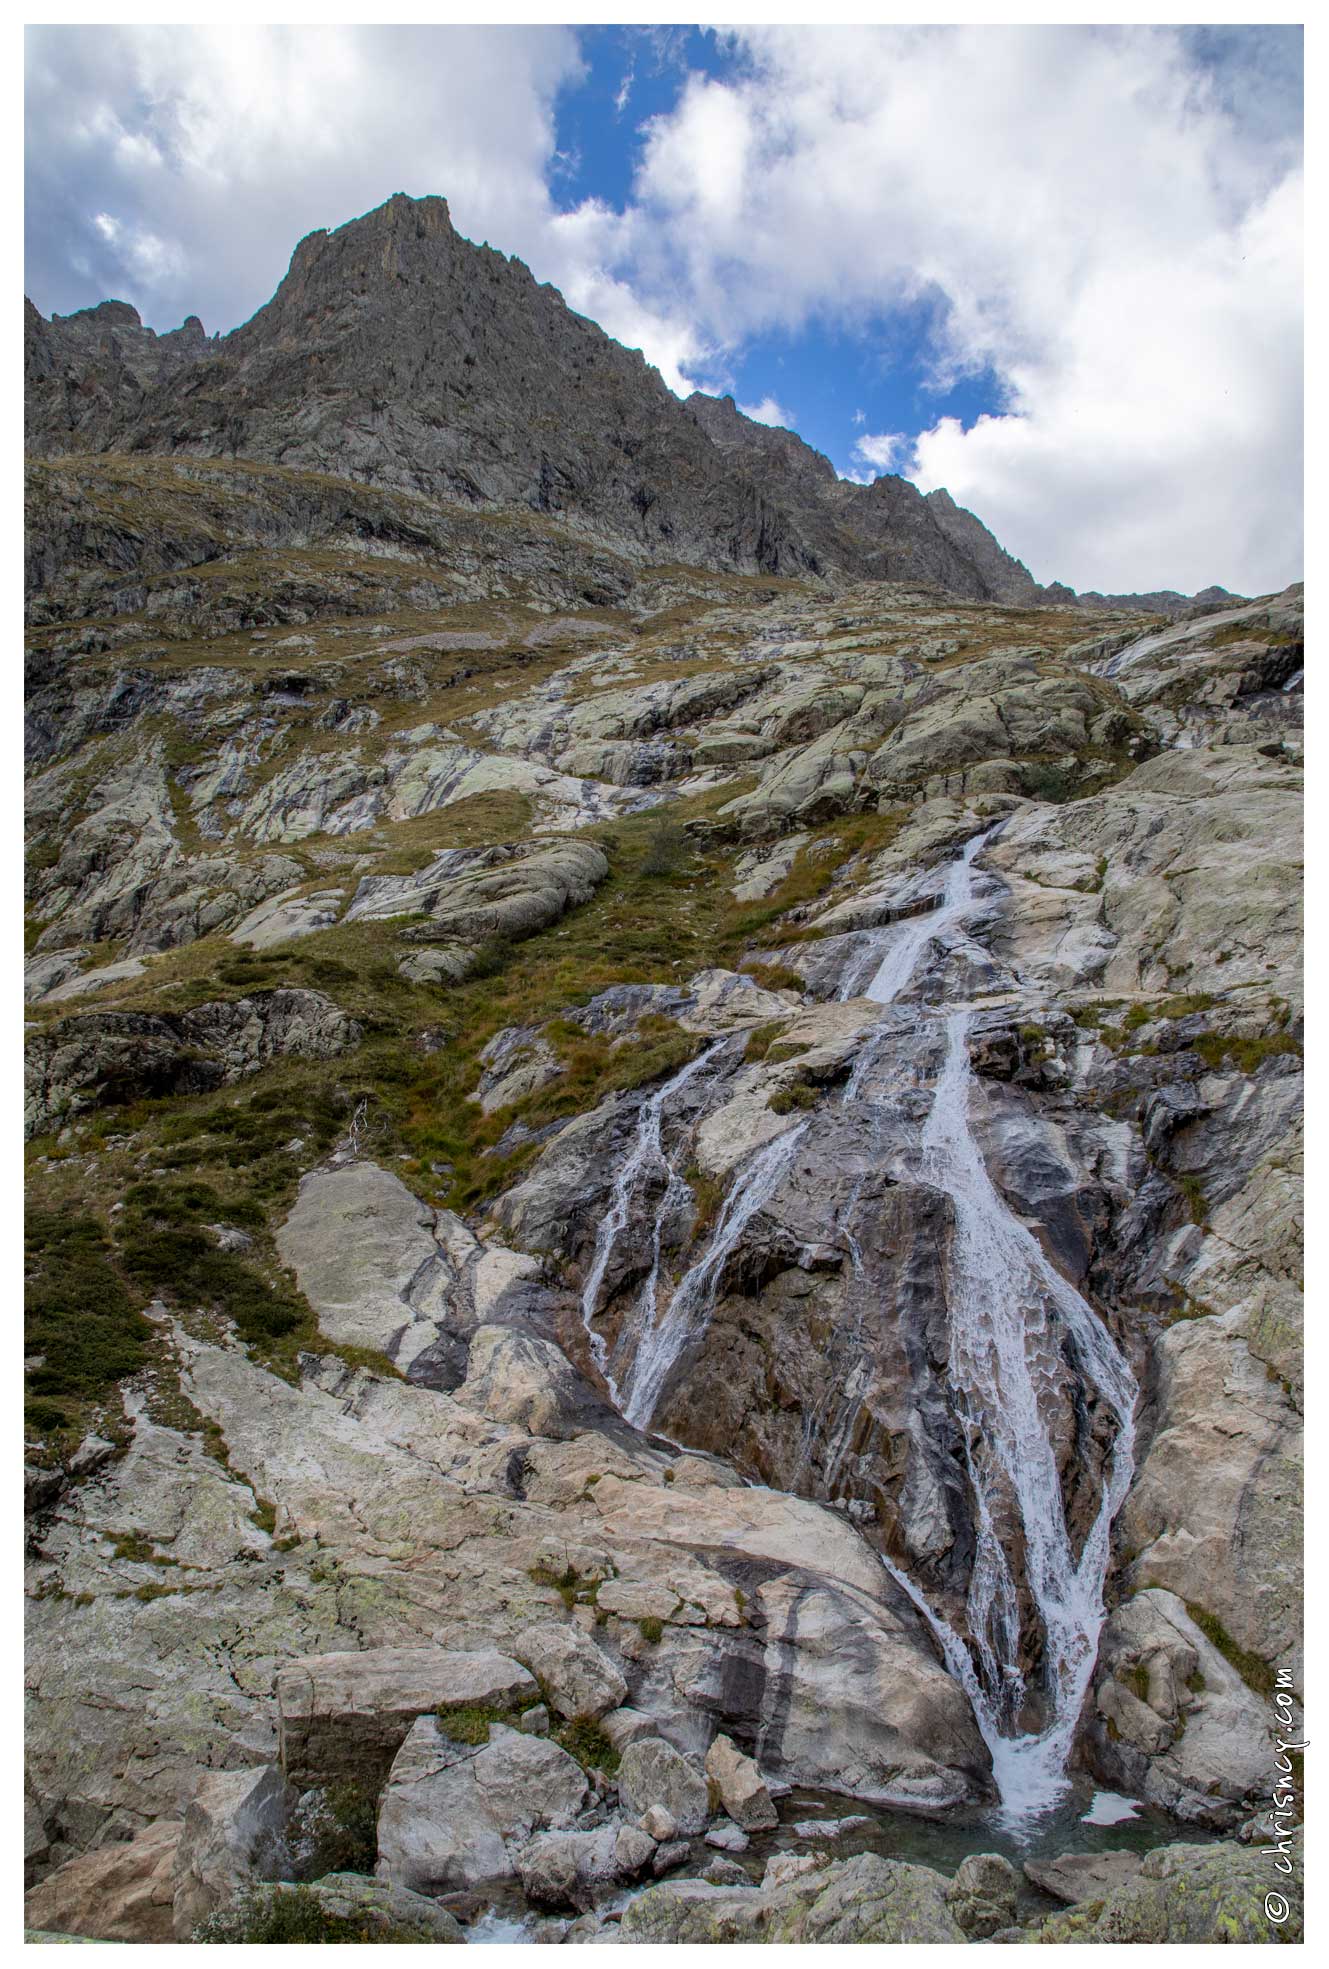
point(800, 1095)
point(338, 1831)
point(1050, 783)
point(585, 1740)
point(667, 852)
point(80, 1317)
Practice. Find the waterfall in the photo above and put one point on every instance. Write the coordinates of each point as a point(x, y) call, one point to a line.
point(1006, 1303)
point(685, 1317)
point(647, 1157)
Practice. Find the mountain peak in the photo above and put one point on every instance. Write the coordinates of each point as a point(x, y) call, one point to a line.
point(396, 352)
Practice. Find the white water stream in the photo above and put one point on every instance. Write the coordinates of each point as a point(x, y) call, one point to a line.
point(685, 1317)
point(1014, 1322)
point(647, 1158)
point(1009, 1312)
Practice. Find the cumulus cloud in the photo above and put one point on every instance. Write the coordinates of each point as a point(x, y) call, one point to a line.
point(884, 451)
point(768, 411)
point(226, 145)
point(1106, 221)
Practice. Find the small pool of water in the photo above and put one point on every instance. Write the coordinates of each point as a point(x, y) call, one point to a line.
point(943, 1842)
point(1087, 1820)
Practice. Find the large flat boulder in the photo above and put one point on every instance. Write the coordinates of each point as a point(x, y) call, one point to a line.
point(1077, 1877)
point(868, 1899)
point(346, 1715)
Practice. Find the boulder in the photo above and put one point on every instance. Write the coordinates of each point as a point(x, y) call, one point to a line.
point(658, 1822)
point(868, 1899)
point(234, 1833)
point(435, 1835)
point(627, 1725)
point(983, 1895)
point(452, 1812)
point(576, 1677)
point(528, 1781)
point(652, 1772)
point(123, 1892)
point(1218, 1893)
point(347, 1715)
point(672, 1853)
point(1079, 1877)
point(721, 1872)
point(575, 1869)
point(739, 1783)
point(727, 1837)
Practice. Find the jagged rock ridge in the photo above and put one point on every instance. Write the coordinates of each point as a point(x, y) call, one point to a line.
point(398, 354)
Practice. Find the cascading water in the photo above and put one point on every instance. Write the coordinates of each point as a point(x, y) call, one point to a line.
point(646, 1158)
point(685, 1317)
point(1005, 1301)
point(1010, 1315)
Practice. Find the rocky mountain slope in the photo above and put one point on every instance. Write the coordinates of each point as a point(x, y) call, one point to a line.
point(397, 354)
point(664, 1207)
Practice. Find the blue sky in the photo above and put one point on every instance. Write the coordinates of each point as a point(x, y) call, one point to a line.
point(837, 383)
point(1056, 270)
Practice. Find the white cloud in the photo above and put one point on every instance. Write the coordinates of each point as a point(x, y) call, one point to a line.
point(1109, 227)
point(886, 451)
point(226, 145)
point(1099, 219)
point(768, 411)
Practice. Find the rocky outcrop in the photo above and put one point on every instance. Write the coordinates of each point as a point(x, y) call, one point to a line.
point(1175, 1721)
point(1191, 1894)
point(97, 1058)
point(346, 1907)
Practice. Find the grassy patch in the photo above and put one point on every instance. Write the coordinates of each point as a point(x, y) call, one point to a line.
point(1193, 1190)
point(1253, 1669)
point(1245, 1052)
point(470, 1722)
point(587, 1742)
point(82, 1322)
